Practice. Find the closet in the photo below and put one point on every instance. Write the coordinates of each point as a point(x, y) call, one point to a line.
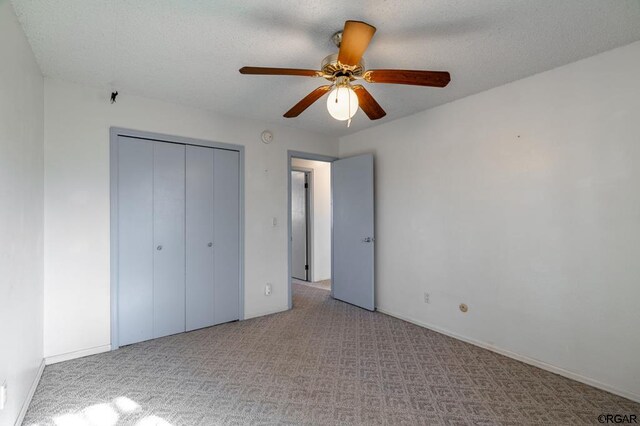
point(178, 238)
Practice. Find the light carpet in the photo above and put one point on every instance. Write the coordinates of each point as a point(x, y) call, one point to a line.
point(324, 284)
point(324, 362)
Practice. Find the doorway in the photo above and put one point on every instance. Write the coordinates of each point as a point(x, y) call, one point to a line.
point(334, 229)
point(300, 223)
point(309, 220)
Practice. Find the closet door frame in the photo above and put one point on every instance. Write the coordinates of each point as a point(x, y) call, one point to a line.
point(115, 133)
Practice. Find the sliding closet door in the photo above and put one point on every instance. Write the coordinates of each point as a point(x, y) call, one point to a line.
point(226, 193)
point(169, 238)
point(200, 241)
point(135, 240)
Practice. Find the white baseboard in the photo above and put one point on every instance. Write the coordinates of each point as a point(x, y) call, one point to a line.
point(523, 358)
point(76, 354)
point(32, 390)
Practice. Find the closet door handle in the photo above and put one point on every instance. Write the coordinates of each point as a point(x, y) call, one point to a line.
point(159, 248)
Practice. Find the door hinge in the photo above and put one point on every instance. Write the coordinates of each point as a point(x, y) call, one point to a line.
point(306, 186)
point(306, 267)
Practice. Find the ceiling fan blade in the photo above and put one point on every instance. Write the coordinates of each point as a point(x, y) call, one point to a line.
point(412, 77)
point(307, 101)
point(355, 39)
point(369, 105)
point(279, 71)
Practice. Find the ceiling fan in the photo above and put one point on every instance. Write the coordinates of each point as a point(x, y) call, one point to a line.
point(347, 66)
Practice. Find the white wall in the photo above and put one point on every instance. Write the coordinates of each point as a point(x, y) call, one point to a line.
point(21, 217)
point(524, 203)
point(77, 121)
point(321, 226)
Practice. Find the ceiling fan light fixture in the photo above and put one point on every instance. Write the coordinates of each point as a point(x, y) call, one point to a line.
point(342, 103)
point(346, 67)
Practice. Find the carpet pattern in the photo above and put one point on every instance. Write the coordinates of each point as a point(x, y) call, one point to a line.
point(324, 362)
point(324, 284)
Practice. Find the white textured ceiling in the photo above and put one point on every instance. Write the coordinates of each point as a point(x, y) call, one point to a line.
point(189, 51)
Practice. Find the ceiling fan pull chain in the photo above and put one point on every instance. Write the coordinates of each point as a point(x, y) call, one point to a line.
point(349, 102)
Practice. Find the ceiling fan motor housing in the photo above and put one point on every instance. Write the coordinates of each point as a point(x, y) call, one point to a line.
point(331, 68)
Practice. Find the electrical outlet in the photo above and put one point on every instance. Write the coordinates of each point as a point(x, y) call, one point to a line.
point(426, 297)
point(3, 395)
point(267, 289)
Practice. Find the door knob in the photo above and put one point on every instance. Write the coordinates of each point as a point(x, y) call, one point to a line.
point(210, 245)
point(368, 240)
point(159, 248)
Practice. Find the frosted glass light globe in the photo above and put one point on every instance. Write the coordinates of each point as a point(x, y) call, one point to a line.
point(346, 105)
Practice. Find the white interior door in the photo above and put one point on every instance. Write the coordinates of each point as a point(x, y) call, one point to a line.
point(169, 239)
point(135, 240)
point(199, 256)
point(226, 226)
point(353, 230)
point(299, 246)
point(150, 239)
